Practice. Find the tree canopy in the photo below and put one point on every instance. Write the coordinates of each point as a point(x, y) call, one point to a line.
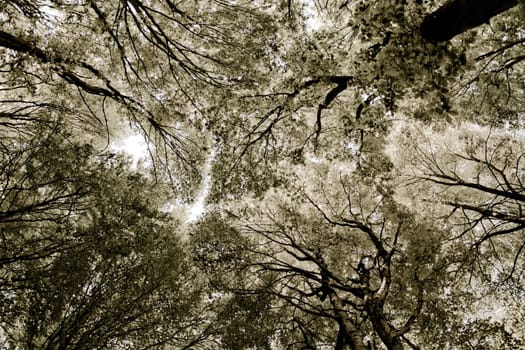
point(359, 164)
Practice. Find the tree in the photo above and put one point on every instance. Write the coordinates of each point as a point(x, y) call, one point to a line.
point(43, 182)
point(152, 65)
point(481, 174)
point(341, 262)
point(86, 260)
point(472, 179)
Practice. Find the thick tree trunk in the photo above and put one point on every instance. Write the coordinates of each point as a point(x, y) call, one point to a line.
point(352, 336)
point(458, 16)
point(17, 44)
point(386, 332)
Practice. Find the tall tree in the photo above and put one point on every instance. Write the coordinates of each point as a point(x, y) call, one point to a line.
point(156, 66)
point(478, 175)
point(340, 264)
point(86, 260)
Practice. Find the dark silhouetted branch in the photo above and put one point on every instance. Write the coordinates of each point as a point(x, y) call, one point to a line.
point(458, 16)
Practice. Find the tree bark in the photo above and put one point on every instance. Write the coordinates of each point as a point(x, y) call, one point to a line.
point(17, 44)
point(386, 332)
point(458, 16)
point(352, 336)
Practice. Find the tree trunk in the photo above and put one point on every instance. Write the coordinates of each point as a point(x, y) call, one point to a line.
point(386, 332)
point(458, 16)
point(352, 336)
point(17, 44)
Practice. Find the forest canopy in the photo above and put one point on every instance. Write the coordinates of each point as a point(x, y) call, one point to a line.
point(358, 165)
